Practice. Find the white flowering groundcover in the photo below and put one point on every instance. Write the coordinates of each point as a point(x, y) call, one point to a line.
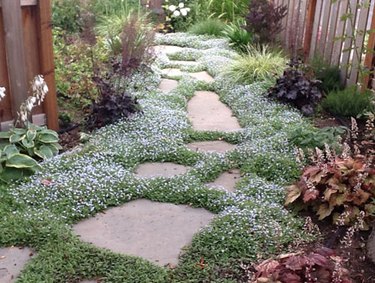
point(251, 223)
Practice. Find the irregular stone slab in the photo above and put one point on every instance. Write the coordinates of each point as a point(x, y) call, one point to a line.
point(171, 72)
point(160, 169)
point(167, 85)
point(12, 261)
point(151, 230)
point(211, 146)
point(167, 49)
point(227, 180)
point(208, 113)
point(203, 76)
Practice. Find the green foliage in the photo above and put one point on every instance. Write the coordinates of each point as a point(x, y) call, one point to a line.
point(21, 147)
point(228, 10)
point(327, 74)
point(336, 187)
point(306, 138)
point(109, 8)
point(66, 15)
point(349, 102)
point(238, 37)
point(212, 27)
point(258, 64)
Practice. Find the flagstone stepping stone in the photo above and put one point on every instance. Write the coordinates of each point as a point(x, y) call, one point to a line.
point(227, 180)
point(167, 49)
point(211, 146)
point(167, 85)
point(160, 169)
point(207, 113)
point(203, 76)
point(151, 230)
point(186, 63)
point(12, 261)
point(171, 72)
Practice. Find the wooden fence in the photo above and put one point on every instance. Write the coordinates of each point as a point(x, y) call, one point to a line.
point(323, 28)
point(26, 50)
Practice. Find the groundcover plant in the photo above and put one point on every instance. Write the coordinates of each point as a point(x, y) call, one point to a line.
point(251, 223)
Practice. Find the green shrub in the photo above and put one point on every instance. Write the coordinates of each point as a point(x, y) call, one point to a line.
point(258, 64)
point(228, 10)
point(349, 102)
point(66, 14)
point(213, 27)
point(109, 8)
point(238, 37)
point(327, 74)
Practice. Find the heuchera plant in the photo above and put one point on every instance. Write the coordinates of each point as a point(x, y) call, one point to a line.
point(320, 266)
point(297, 88)
point(340, 187)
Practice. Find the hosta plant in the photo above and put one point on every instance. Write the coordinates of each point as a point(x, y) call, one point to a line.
point(336, 187)
point(319, 266)
point(297, 88)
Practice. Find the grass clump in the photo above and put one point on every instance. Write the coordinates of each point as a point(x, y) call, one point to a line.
point(238, 37)
point(349, 102)
point(258, 64)
point(212, 27)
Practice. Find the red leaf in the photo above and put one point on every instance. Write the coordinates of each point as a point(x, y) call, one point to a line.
point(318, 259)
point(310, 195)
point(296, 262)
point(290, 278)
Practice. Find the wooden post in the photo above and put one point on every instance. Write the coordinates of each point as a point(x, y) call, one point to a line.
point(368, 63)
point(309, 28)
point(15, 53)
point(47, 66)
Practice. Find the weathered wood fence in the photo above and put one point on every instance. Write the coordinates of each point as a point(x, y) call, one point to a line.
point(325, 28)
point(26, 50)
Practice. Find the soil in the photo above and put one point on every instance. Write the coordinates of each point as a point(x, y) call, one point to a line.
point(70, 137)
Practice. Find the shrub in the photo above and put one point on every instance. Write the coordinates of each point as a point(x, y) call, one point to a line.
point(238, 37)
point(258, 64)
point(297, 88)
point(264, 20)
point(212, 27)
point(349, 102)
point(320, 265)
point(114, 103)
point(228, 10)
point(109, 8)
point(66, 15)
point(340, 187)
point(327, 74)
point(176, 15)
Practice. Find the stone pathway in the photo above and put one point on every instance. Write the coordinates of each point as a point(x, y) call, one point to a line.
point(227, 180)
point(152, 230)
point(208, 113)
point(159, 231)
point(12, 261)
point(159, 169)
point(211, 146)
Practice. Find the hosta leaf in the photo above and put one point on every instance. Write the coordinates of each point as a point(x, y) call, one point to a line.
point(10, 150)
point(10, 174)
point(16, 138)
point(27, 143)
point(293, 193)
point(324, 211)
point(31, 134)
point(21, 161)
point(5, 135)
point(48, 138)
point(44, 152)
point(18, 131)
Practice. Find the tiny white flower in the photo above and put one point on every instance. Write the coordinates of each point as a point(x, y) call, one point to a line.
point(176, 13)
point(181, 5)
point(172, 8)
point(184, 11)
point(2, 92)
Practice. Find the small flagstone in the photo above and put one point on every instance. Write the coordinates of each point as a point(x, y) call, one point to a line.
point(171, 72)
point(12, 261)
point(207, 113)
point(151, 230)
point(203, 76)
point(211, 146)
point(186, 63)
point(167, 49)
point(167, 85)
point(160, 169)
point(227, 180)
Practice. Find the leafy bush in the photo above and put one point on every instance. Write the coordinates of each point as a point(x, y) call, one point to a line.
point(238, 37)
point(340, 187)
point(306, 138)
point(264, 20)
point(297, 88)
point(327, 74)
point(66, 15)
point(212, 27)
point(321, 264)
point(228, 10)
point(109, 8)
point(113, 105)
point(258, 64)
point(349, 102)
